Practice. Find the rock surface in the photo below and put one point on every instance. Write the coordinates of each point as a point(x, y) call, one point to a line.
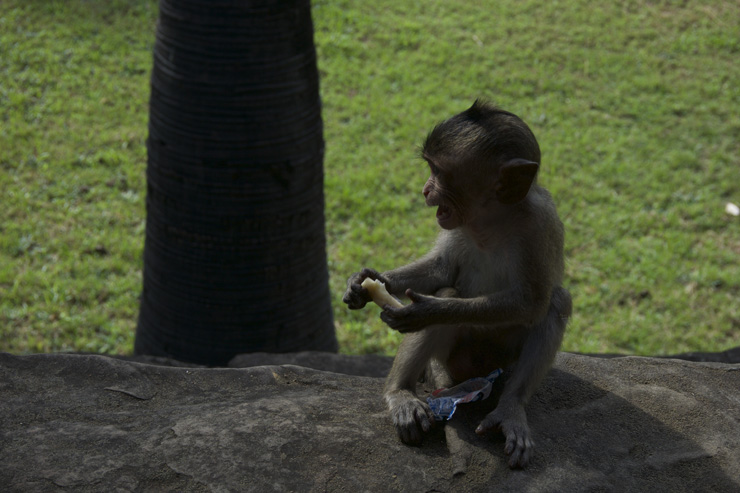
point(94, 423)
point(366, 366)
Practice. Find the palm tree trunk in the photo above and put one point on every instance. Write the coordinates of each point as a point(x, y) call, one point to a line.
point(235, 250)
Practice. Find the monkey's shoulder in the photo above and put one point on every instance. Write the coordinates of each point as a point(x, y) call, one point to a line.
point(542, 209)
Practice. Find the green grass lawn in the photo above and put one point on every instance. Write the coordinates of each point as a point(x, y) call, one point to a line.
point(635, 105)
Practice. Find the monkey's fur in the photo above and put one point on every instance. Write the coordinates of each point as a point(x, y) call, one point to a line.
point(489, 294)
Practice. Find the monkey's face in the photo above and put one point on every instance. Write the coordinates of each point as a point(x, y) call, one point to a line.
point(444, 191)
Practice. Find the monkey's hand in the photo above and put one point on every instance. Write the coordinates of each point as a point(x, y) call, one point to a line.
point(412, 418)
point(356, 296)
point(421, 313)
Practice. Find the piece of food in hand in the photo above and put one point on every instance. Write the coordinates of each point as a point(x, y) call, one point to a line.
point(379, 294)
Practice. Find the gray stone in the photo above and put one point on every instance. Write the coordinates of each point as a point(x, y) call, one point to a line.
point(729, 356)
point(94, 423)
point(365, 366)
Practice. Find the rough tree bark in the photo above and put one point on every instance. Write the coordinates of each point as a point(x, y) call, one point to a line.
point(235, 254)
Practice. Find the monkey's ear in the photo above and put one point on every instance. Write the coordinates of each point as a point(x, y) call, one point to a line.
point(514, 179)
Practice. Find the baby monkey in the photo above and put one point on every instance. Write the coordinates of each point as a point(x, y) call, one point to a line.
point(489, 294)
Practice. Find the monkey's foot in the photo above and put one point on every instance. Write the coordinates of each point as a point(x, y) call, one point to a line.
point(512, 422)
point(412, 418)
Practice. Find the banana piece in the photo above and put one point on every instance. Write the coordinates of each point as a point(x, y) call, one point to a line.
point(379, 294)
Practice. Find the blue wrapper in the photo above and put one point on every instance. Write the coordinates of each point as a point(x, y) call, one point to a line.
point(443, 402)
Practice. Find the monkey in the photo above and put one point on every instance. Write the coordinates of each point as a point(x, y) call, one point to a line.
point(489, 293)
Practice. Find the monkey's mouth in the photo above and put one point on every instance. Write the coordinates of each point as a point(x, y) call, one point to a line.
point(443, 213)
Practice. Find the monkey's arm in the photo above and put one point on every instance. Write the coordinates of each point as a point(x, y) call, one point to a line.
point(518, 306)
point(428, 274)
point(523, 300)
point(425, 275)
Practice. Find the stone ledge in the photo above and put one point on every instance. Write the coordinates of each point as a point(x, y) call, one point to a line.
point(96, 423)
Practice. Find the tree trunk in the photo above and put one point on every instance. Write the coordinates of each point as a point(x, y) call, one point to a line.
point(235, 250)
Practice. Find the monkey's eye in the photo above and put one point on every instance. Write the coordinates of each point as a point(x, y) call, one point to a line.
point(433, 168)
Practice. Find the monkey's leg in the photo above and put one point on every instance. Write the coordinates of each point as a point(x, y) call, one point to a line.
point(411, 416)
point(460, 451)
point(439, 376)
point(437, 372)
point(537, 356)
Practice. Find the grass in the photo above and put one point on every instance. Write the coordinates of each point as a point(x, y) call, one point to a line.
point(635, 105)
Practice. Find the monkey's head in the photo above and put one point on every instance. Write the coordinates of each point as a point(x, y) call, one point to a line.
point(479, 158)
